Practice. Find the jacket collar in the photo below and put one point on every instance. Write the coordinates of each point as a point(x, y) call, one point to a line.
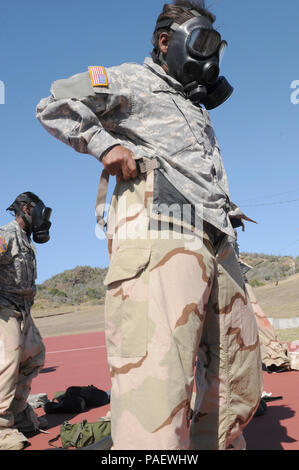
point(27, 240)
point(169, 82)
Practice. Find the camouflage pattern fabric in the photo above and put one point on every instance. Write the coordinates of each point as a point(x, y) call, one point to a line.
point(12, 439)
point(294, 360)
point(21, 347)
point(17, 267)
point(145, 110)
point(169, 296)
point(22, 355)
point(272, 350)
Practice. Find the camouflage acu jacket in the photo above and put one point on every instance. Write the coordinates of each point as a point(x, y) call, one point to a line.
point(17, 267)
point(145, 110)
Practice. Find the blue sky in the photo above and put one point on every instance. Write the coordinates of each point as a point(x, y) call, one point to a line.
point(257, 128)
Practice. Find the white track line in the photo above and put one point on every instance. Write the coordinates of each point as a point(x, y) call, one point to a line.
point(78, 349)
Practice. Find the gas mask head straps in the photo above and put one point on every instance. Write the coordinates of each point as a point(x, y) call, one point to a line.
point(171, 26)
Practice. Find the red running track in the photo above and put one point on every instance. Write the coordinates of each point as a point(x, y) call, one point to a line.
point(81, 360)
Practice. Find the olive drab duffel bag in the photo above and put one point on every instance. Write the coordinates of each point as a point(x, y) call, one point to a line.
point(82, 434)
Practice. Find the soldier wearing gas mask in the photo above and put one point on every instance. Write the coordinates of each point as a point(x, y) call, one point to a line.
point(22, 351)
point(167, 298)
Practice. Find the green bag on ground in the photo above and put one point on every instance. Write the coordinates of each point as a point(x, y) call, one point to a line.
point(82, 434)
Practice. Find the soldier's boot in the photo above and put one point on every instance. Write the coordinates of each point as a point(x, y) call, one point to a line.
point(12, 439)
point(28, 423)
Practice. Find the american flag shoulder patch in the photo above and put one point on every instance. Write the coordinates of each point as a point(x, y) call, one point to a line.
point(3, 246)
point(98, 76)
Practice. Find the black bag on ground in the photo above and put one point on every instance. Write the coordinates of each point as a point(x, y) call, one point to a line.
point(93, 396)
point(77, 399)
point(66, 405)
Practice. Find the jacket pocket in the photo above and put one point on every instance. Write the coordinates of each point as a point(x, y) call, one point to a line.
point(126, 307)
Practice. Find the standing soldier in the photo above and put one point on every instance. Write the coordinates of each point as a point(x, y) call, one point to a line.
point(22, 350)
point(167, 293)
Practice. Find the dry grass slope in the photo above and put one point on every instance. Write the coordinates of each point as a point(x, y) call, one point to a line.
point(72, 287)
point(280, 300)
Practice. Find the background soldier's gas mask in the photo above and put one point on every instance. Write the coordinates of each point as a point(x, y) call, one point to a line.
point(193, 59)
point(38, 223)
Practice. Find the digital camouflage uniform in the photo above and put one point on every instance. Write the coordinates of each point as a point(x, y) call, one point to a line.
point(21, 347)
point(169, 294)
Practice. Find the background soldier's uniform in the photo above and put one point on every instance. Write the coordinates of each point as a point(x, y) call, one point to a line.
point(166, 296)
point(22, 350)
point(273, 352)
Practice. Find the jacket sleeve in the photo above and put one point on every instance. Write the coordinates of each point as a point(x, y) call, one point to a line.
point(76, 114)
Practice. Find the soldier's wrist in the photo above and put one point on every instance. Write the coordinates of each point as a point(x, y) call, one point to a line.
point(103, 155)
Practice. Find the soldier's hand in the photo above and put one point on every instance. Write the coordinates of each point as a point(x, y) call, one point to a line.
point(119, 162)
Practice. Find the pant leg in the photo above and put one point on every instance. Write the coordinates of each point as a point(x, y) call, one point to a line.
point(156, 301)
point(31, 361)
point(229, 366)
point(10, 355)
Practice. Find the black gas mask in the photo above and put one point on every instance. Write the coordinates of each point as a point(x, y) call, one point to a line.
point(193, 59)
point(38, 223)
point(41, 222)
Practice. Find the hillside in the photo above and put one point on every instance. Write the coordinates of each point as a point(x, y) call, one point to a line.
point(80, 285)
point(269, 268)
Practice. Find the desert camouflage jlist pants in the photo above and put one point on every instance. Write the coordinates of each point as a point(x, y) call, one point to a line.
point(22, 355)
point(273, 352)
point(169, 296)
